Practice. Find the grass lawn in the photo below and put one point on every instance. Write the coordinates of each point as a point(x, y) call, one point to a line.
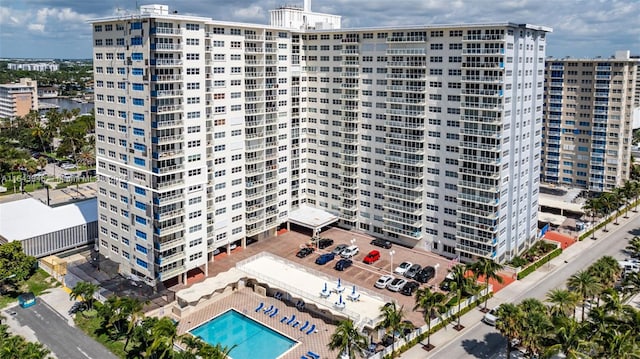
point(89, 322)
point(39, 282)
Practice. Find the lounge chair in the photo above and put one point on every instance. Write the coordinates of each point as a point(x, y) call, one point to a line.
point(278, 295)
point(296, 324)
point(259, 307)
point(306, 324)
point(274, 313)
point(284, 319)
point(293, 318)
point(268, 309)
point(313, 327)
point(313, 355)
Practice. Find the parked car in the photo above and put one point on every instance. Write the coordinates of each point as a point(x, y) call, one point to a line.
point(350, 252)
point(381, 243)
point(304, 252)
point(68, 177)
point(325, 258)
point(409, 288)
point(325, 242)
point(343, 264)
point(425, 274)
point(68, 166)
point(412, 271)
point(446, 283)
point(402, 268)
point(372, 257)
point(383, 281)
point(491, 317)
point(396, 284)
point(338, 249)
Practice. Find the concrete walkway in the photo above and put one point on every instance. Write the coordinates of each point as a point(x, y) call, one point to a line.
point(513, 291)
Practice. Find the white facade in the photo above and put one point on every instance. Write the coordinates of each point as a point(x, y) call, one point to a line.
point(40, 66)
point(210, 132)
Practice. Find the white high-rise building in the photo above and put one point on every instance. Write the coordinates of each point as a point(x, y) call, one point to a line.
point(211, 132)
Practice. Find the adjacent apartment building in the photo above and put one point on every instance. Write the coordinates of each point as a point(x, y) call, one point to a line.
point(17, 99)
point(588, 119)
point(211, 132)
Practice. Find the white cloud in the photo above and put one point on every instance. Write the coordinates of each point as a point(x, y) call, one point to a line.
point(36, 27)
point(250, 13)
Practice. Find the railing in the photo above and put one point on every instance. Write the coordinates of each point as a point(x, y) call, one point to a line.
point(406, 39)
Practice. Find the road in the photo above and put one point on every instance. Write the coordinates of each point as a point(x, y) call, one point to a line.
point(57, 335)
point(484, 341)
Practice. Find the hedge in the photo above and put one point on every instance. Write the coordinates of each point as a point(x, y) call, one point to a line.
point(442, 324)
point(528, 270)
point(588, 233)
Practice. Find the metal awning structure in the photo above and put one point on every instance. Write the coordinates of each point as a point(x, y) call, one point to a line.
point(311, 217)
point(555, 219)
point(563, 206)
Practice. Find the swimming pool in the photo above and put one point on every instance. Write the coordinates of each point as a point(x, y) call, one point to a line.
point(253, 339)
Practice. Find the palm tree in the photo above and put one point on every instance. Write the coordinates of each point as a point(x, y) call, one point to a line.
point(347, 339)
point(617, 198)
point(634, 247)
point(562, 302)
point(606, 270)
point(164, 334)
point(459, 284)
point(136, 315)
point(217, 351)
point(432, 304)
point(567, 339)
point(536, 325)
point(584, 284)
point(593, 206)
point(509, 324)
point(620, 345)
point(608, 203)
point(84, 291)
point(629, 192)
point(488, 269)
point(393, 322)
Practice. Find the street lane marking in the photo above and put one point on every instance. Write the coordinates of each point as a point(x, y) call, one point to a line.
point(83, 353)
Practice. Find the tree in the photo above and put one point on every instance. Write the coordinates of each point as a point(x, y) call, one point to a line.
point(393, 322)
point(607, 203)
point(217, 351)
point(563, 302)
point(593, 207)
point(432, 304)
point(459, 285)
point(536, 325)
point(629, 192)
point(509, 324)
point(84, 291)
point(15, 265)
point(488, 269)
point(567, 339)
point(584, 284)
point(634, 247)
point(164, 334)
point(347, 339)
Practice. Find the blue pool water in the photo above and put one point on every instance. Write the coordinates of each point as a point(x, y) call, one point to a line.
point(253, 339)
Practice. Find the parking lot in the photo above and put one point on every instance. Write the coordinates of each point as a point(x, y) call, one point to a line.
point(364, 275)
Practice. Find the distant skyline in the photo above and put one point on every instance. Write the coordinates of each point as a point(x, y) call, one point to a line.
point(581, 28)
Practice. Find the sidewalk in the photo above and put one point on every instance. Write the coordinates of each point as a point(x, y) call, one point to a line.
point(511, 293)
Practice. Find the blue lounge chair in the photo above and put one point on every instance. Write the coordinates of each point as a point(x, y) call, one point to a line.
point(259, 307)
point(313, 327)
point(296, 324)
point(278, 295)
point(284, 319)
point(306, 324)
point(313, 355)
point(268, 309)
point(293, 317)
point(273, 314)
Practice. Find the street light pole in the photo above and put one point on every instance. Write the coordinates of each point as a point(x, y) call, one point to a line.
point(391, 253)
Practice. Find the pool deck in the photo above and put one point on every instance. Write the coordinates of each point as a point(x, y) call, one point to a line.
point(245, 301)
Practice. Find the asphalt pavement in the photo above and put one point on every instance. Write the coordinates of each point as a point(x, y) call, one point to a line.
point(50, 328)
point(479, 340)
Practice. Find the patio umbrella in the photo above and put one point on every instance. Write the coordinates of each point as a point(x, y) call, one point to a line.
point(325, 286)
point(339, 284)
point(340, 299)
point(354, 289)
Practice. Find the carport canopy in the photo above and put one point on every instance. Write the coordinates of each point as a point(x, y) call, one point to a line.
point(563, 206)
point(311, 217)
point(555, 219)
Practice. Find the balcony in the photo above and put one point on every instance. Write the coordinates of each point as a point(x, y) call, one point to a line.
point(170, 273)
point(483, 65)
point(413, 186)
point(406, 76)
point(404, 197)
point(488, 214)
point(165, 62)
point(406, 149)
point(167, 124)
point(481, 146)
point(404, 137)
point(413, 234)
point(479, 92)
point(167, 93)
point(402, 208)
point(406, 39)
point(164, 185)
point(349, 74)
point(475, 51)
point(166, 78)
point(166, 154)
point(478, 186)
point(169, 214)
point(166, 109)
point(475, 251)
point(402, 220)
point(407, 51)
point(401, 124)
point(169, 169)
point(404, 160)
point(165, 31)
point(165, 47)
point(405, 100)
point(164, 260)
point(412, 174)
point(165, 231)
point(165, 199)
point(485, 79)
point(406, 88)
point(255, 50)
point(167, 139)
point(484, 37)
point(406, 64)
point(482, 106)
point(481, 159)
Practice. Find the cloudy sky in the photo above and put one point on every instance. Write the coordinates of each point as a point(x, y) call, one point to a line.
point(581, 28)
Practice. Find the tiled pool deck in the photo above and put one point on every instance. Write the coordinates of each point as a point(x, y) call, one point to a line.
point(246, 301)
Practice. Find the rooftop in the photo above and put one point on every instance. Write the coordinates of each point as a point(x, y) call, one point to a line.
point(27, 218)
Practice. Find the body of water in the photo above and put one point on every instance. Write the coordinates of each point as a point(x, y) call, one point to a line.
point(65, 103)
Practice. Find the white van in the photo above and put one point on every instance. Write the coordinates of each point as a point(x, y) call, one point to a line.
point(629, 266)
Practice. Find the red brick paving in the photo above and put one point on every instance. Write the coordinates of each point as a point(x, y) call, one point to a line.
point(564, 240)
